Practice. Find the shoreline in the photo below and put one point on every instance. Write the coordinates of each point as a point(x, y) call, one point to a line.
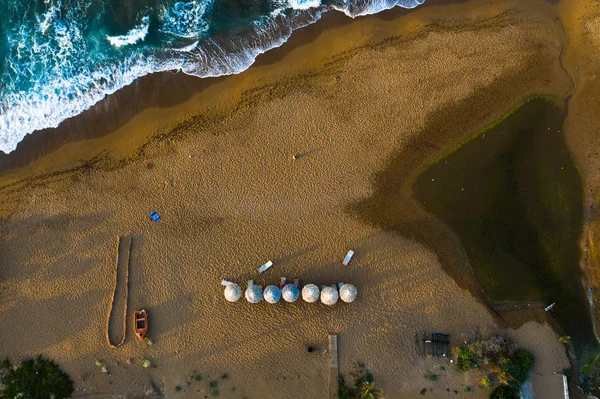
point(168, 89)
point(356, 98)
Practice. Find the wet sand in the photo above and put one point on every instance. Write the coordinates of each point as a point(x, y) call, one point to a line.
point(357, 100)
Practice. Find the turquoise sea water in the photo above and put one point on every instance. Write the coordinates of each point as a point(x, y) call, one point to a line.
point(60, 57)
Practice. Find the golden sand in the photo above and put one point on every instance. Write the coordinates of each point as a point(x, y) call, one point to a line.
point(219, 170)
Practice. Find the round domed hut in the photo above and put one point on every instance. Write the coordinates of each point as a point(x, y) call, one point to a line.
point(290, 293)
point(254, 293)
point(233, 292)
point(310, 293)
point(329, 296)
point(272, 294)
point(348, 293)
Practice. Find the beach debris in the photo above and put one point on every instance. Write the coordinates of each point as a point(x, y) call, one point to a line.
point(155, 217)
point(264, 267)
point(348, 293)
point(347, 258)
point(329, 296)
point(233, 292)
point(254, 293)
point(226, 283)
point(290, 293)
point(549, 307)
point(310, 293)
point(272, 294)
point(141, 323)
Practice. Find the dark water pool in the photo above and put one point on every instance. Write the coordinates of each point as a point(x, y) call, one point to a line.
point(514, 197)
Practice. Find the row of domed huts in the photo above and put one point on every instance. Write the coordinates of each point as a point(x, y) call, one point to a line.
point(329, 295)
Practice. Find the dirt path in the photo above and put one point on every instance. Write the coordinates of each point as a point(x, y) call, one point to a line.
point(117, 320)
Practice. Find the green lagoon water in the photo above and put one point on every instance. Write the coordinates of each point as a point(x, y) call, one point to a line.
point(514, 197)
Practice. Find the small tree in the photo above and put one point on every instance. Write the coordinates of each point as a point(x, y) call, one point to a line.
point(367, 390)
point(36, 379)
point(505, 392)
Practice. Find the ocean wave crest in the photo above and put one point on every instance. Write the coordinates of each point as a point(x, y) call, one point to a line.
point(134, 36)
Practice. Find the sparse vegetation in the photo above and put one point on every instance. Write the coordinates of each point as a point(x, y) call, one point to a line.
point(215, 392)
point(146, 363)
point(212, 384)
point(431, 377)
point(224, 376)
point(197, 377)
point(364, 387)
point(178, 388)
point(34, 379)
point(423, 391)
point(496, 361)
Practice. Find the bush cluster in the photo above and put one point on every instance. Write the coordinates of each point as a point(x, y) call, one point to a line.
point(34, 379)
point(499, 362)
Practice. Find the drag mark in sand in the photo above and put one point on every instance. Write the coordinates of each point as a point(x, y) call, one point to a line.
point(117, 319)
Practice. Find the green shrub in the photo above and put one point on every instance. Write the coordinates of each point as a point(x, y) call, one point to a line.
point(215, 392)
point(343, 391)
point(212, 384)
point(431, 377)
point(467, 359)
point(178, 388)
point(35, 379)
point(505, 392)
point(519, 365)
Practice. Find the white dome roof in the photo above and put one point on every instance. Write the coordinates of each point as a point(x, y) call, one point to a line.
point(348, 293)
point(290, 293)
point(310, 293)
point(254, 294)
point(329, 296)
point(233, 292)
point(272, 294)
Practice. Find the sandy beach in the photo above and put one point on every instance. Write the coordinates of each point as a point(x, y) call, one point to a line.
point(365, 105)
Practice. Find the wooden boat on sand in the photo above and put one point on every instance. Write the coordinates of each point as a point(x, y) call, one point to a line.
point(141, 323)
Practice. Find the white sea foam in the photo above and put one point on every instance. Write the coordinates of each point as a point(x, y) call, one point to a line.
point(361, 7)
point(186, 19)
point(304, 4)
point(189, 48)
point(135, 35)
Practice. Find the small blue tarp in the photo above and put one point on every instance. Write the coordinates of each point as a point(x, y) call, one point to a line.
point(154, 216)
